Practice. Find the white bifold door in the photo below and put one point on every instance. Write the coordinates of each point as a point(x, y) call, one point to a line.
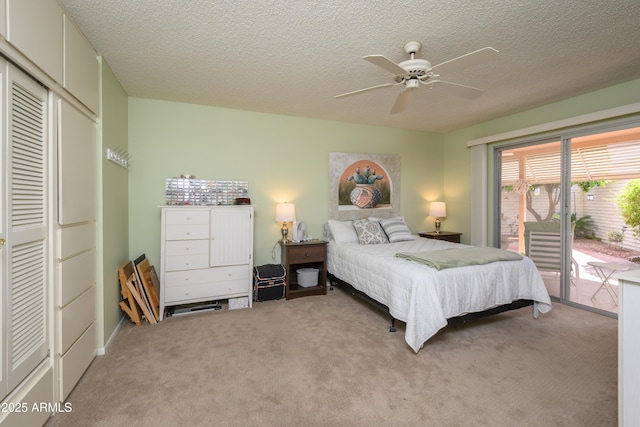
point(23, 227)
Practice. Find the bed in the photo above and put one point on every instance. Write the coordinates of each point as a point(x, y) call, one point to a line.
point(423, 297)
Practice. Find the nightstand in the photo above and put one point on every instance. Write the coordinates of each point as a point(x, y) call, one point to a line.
point(309, 254)
point(448, 236)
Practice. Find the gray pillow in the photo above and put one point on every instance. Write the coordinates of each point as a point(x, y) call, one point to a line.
point(369, 232)
point(396, 229)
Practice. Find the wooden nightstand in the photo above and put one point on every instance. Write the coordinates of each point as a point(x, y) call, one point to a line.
point(309, 254)
point(449, 236)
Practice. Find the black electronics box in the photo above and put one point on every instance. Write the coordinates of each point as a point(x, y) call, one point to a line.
point(268, 282)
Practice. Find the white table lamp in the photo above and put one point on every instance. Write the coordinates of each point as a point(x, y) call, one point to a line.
point(438, 210)
point(285, 212)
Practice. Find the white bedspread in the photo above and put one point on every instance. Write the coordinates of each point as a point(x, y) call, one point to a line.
point(424, 298)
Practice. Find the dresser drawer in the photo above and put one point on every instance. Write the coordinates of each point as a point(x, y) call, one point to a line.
point(186, 232)
point(187, 277)
point(188, 293)
point(207, 275)
point(187, 216)
point(231, 272)
point(201, 292)
point(186, 247)
point(186, 262)
point(306, 253)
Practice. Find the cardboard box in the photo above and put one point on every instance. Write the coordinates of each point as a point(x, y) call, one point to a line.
point(240, 302)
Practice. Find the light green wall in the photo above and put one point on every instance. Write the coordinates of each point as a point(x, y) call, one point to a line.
point(114, 209)
point(283, 158)
point(457, 157)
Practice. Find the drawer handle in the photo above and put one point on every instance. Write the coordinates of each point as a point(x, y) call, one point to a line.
point(308, 254)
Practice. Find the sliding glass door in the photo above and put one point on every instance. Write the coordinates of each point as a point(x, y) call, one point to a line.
point(530, 209)
point(558, 202)
point(603, 167)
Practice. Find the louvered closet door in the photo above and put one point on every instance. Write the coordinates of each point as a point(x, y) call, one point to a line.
point(24, 255)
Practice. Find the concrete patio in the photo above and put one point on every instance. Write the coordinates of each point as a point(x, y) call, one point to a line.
point(587, 281)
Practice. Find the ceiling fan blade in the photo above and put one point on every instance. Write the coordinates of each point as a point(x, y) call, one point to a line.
point(401, 101)
point(470, 59)
point(355, 92)
point(458, 89)
point(385, 63)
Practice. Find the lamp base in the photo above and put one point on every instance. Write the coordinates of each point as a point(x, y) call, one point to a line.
point(437, 225)
point(285, 231)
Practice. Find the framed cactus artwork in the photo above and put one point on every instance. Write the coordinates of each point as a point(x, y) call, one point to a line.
point(363, 185)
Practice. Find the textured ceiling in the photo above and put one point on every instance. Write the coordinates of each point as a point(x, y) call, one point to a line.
point(292, 57)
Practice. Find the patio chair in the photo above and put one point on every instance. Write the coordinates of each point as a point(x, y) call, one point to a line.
point(544, 250)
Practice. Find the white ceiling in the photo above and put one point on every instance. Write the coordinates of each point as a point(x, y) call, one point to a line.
point(291, 57)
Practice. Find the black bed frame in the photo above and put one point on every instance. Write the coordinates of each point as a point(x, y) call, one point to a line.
point(458, 319)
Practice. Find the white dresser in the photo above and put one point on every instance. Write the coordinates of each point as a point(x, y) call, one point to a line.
point(628, 348)
point(206, 254)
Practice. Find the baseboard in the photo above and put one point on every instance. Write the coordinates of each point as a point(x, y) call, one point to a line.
point(103, 350)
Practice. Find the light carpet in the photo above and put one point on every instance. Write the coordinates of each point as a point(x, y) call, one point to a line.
point(329, 361)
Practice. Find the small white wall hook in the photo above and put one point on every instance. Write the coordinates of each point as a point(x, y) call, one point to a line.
point(119, 156)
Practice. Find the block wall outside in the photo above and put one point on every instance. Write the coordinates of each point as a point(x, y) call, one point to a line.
point(603, 209)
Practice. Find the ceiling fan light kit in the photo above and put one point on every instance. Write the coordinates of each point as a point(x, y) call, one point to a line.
point(412, 84)
point(415, 71)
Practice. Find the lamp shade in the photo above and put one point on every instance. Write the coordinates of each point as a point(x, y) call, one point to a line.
point(438, 209)
point(285, 212)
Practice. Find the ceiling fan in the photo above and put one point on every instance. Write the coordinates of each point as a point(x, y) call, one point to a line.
point(414, 72)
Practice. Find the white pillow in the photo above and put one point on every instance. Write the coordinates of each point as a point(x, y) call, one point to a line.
point(343, 231)
point(369, 232)
point(396, 229)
